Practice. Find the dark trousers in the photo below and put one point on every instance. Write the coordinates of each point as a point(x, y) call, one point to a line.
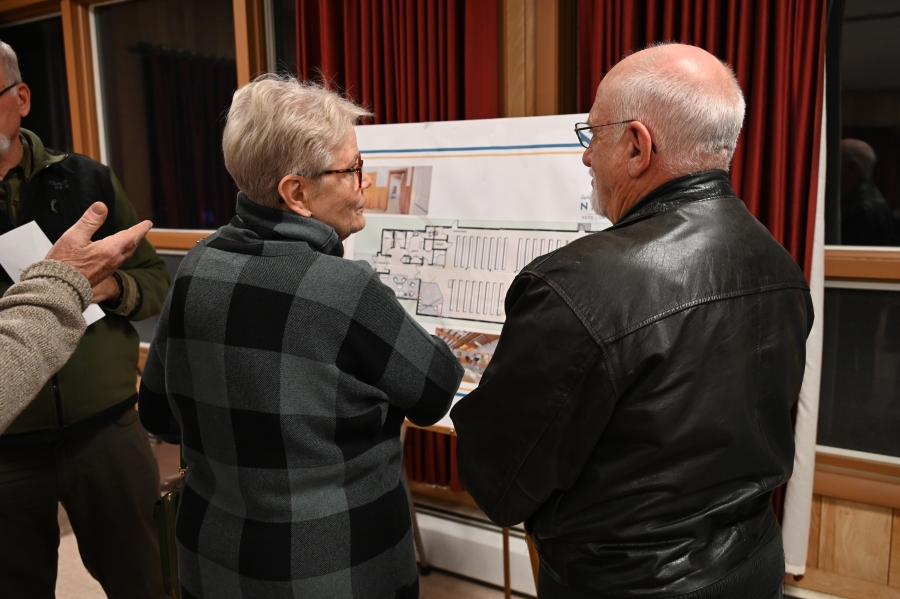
point(107, 479)
point(550, 589)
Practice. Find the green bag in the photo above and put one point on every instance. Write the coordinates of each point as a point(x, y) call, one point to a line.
point(164, 513)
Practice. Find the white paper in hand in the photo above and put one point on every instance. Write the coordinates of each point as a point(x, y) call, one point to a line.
point(25, 245)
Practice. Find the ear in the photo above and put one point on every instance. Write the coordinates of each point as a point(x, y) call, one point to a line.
point(293, 191)
point(23, 97)
point(640, 148)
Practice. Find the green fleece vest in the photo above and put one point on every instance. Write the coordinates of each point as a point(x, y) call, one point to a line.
point(100, 376)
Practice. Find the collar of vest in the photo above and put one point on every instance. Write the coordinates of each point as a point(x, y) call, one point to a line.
point(41, 157)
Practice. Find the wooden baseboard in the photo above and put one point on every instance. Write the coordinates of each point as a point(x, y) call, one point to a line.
point(843, 586)
point(441, 494)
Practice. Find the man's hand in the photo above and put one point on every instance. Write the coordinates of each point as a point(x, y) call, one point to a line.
point(97, 260)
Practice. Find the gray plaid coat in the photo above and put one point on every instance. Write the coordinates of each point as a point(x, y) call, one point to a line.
point(287, 372)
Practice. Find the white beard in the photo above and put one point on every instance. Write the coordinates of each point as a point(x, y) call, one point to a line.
point(596, 202)
point(5, 144)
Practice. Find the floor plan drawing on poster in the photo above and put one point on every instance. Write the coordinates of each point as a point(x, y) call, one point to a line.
point(455, 210)
point(461, 273)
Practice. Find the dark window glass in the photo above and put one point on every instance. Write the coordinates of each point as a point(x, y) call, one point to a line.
point(42, 62)
point(870, 132)
point(167, 72)
point(860, 397)
point(284, 25)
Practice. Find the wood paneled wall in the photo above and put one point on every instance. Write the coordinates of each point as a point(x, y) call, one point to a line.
point(854, 536)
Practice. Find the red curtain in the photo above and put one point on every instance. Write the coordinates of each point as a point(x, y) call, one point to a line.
point(187, 96)
point(777, 50)
point(408, 61)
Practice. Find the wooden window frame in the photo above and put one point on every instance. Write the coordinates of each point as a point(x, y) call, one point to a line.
point(250, 54)
point(864, 264)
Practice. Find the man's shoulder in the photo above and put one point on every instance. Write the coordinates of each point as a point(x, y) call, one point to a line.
point(683, 256)
point(77, 164)
point(692, 237)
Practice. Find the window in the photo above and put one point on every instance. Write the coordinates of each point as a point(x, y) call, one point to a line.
point(283, 19)
point(42, 62)
point(870, 137)
point(167, 72)
point(860, 395)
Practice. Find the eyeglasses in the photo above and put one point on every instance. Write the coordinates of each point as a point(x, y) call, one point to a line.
point(6, 89)
point(585, 132)
point(358, 169)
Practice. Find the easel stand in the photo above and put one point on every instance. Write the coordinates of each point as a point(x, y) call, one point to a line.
point(507, 588)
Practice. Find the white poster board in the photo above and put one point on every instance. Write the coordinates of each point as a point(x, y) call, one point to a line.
point(458, 208)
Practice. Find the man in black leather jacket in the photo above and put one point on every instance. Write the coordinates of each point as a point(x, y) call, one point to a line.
point(636, 413)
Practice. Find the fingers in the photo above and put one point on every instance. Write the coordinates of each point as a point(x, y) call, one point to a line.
point(124, 243)
point(100, 259)
point(140, 230)
point(89, 222)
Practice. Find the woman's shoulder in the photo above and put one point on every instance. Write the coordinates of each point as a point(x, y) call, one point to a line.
point(355, 269)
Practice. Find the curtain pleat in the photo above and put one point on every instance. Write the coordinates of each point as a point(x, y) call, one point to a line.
point(777, 50)
point(186, 96)
point(408, 61)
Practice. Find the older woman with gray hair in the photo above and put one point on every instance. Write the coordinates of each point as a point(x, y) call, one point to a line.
point(286, 371)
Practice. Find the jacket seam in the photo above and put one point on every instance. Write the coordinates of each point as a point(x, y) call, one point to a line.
point(514, 476)
point(585, 323)
point(664, 314)
point(757, 384)
point(701, 301)
point(582, 373)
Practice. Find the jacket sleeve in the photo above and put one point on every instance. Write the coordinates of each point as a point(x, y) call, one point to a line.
point(529, 428)
point(386, 348)
point(144, 276)
point(153, 400)
point(40, 326)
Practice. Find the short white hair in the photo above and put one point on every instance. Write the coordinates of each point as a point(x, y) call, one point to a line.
point(694, 127)
point(278, 125)
point(10, 63)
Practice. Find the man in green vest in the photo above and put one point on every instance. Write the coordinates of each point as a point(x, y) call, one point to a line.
point(79, 442)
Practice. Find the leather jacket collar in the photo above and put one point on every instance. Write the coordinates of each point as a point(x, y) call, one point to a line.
point(705, 185)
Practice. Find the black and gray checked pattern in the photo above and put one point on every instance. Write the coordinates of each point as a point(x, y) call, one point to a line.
point(287, 371)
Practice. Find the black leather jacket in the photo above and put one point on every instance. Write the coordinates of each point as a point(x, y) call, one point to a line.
point(636, 413)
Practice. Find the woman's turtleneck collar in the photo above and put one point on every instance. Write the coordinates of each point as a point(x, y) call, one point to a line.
point(273, 225)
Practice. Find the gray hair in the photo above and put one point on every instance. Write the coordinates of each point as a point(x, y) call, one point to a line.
point(695, 127)
point(10, 63)
point(278, 125)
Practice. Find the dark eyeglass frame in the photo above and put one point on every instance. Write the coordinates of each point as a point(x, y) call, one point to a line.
point(6, 89)
point(586, 143)
point(358, 169)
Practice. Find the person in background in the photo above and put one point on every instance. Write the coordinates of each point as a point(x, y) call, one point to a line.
point(636, 411)
point(286, 371)
point(866, 218)
point(40, 317)
point(79, 442)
